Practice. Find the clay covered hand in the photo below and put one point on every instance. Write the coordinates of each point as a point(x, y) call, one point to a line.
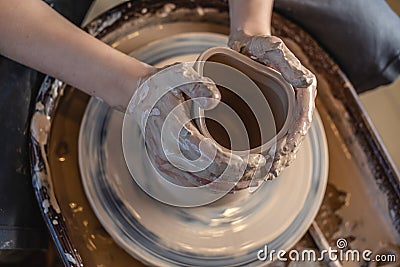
point(271, 51)
point(178, 151)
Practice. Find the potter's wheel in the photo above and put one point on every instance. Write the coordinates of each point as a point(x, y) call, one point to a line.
point(229, 232)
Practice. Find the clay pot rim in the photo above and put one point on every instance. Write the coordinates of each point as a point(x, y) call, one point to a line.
point(259, 68)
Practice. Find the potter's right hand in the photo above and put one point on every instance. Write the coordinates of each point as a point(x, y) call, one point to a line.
point(176, 148)
point(272, 51)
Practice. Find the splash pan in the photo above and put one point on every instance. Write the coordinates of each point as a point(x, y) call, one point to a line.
point(228, 232)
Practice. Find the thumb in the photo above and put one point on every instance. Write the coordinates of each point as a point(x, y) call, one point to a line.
point(272, 51)
point(202, 90)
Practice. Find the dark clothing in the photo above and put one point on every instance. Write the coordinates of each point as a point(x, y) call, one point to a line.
point(20, 220)
point(73, 10)
point(21, 224)
point(363, 36)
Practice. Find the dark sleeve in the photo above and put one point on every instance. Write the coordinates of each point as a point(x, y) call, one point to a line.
point(21, 224)
point(73, 10)
point(363, 36)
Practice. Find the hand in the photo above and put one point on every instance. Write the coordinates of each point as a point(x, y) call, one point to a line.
point(271, 51)
point(175, 147)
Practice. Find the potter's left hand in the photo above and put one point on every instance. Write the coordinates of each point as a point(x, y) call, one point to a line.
point(271, 51)
point(178, 151)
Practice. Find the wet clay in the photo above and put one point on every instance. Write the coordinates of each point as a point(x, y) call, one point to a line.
point(266, 95)
point(176, 148)
point(271, 51)
point(101, 250)
point(278, 104)
point(246, 114)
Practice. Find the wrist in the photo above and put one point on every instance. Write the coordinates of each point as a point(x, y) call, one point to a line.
point(253, 17)
point(239, 40)
point(256, 28)
point(130, 77)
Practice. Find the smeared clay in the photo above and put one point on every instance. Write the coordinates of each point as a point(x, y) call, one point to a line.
point(271, 51)
point(166, 10)
point(99, 25)
point(40, 131)
point(178, 156)
point(70, 258)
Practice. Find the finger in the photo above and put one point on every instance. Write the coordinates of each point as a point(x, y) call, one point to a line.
point(305, 105)
point(229, 166)
point(272, 51)
point(219, 160)
point(203, 90)
point(163, 165)
point(278, 160)
point(170, 171)
point(190, 140)
point(224, 165)
point(305, 99)
point(218, 181)
point(255, 166)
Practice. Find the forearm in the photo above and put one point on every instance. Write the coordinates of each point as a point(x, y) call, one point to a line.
point(253, 17)
point(35, 35)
